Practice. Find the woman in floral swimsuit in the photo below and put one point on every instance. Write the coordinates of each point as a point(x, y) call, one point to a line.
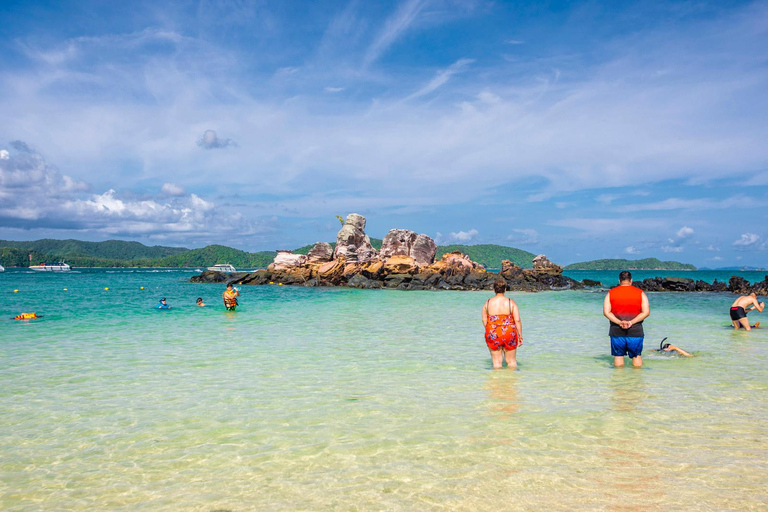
point(503, 330)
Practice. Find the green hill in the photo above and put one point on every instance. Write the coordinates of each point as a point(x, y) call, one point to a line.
point(115, 253)
point(622, 264)
point(213, 254)
point(490, 255)
point(108, 250)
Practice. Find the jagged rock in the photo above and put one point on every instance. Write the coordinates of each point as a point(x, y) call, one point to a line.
point(322, 252)
point(372, 269)
point(400, 265)
point(286, 259)
point(403, 242)
point(424, 250)
point(453, 263)
point(591, 283)
point(542, 265)
point(351, 269)
point(359, 281)
point(398, 242)
point(395, 280)
point(296, 275)
point(333, 271)
point(719, 286)
point(352, 243)
point(209, 276)
point(739, 285)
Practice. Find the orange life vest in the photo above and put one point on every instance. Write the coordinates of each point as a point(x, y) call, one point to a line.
point(626, 302)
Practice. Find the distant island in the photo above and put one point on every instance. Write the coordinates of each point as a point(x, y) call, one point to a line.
point(622, 264)
point(117, 253)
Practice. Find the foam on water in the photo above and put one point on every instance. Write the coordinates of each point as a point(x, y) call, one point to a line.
point(318, 399)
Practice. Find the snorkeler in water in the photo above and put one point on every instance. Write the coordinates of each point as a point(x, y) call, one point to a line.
point(668, 347)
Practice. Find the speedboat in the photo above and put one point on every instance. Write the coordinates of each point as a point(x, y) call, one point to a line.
point(2, 268)
point(51, 267)
point(223, 267)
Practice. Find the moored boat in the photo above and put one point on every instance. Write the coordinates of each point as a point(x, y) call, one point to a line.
point(51, 267)
point(2, 268)
point(223, 267)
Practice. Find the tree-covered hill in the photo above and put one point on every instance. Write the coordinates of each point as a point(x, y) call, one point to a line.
point(213, 254)
point(622, 264)
point(108, 250)
point(490, 255)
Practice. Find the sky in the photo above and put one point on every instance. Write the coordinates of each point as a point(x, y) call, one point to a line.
point(579, 130)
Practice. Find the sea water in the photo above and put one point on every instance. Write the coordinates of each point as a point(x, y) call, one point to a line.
point(340, 399)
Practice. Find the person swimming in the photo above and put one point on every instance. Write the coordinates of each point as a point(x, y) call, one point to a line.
point(162, 304)
point(200, 302)
point(668, 347)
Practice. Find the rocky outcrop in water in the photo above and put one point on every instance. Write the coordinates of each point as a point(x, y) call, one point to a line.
point(406, 262)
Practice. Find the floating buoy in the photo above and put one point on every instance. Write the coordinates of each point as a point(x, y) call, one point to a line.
point(15, 291)
point(65, 289)
point(279, 284)
point(271, 282)
point(142, 287)
point(106, 289)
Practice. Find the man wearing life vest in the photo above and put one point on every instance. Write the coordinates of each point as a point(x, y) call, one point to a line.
point(626, 306)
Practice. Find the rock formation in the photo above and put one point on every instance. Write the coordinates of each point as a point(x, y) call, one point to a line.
point(352, 243)
point(285, 260)
point(403, 242)
point(322, 252)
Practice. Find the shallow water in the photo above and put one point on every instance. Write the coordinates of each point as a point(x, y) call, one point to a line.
point(318, 399)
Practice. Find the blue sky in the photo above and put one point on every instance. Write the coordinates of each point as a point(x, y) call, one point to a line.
point(580, 130)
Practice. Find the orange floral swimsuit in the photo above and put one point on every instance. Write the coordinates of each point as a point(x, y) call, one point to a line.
point(501, 331)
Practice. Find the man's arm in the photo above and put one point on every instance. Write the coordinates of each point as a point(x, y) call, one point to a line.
point(645, 310)
point(607, 310)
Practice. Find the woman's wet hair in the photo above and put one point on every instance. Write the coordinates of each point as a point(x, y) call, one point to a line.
point(500, 286)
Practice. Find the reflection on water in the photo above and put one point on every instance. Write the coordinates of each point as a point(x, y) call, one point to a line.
point(502, 392)
point(627, 386)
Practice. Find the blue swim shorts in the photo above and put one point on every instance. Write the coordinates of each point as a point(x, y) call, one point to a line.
point(626, 346)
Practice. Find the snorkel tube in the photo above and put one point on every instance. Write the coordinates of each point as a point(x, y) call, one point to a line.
point(662, 346)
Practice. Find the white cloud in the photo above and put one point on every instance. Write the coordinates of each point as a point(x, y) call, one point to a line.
point(672, 248)
point(747, 239)
point(631, 250)
point(4, 155)
point(393, 28)
point(515, 41)
point(442, 78)
point(684, 232)
point(334, 89)
point(713, 248)
point(461, 237)
point(172, 189)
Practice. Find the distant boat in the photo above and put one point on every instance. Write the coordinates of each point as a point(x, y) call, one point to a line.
point(223, 267)
point(51, 267)
point(2, 268)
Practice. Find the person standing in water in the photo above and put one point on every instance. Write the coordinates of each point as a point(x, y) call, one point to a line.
point(741, 307)
point(626, 307)
point(230, 296)
point(503, 329)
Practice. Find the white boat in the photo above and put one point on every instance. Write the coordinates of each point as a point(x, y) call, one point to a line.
point(2, 268)
point(51, 267)
point(223, 267)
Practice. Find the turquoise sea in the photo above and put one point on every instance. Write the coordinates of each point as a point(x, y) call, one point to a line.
point(339, 399)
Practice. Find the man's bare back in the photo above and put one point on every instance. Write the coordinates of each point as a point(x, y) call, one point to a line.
point(741, 306)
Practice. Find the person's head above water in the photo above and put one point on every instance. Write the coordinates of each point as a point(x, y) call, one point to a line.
point(500, 286)
point(229, 286)
point(625, 276)
point(162, 300)
point(199, 300)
